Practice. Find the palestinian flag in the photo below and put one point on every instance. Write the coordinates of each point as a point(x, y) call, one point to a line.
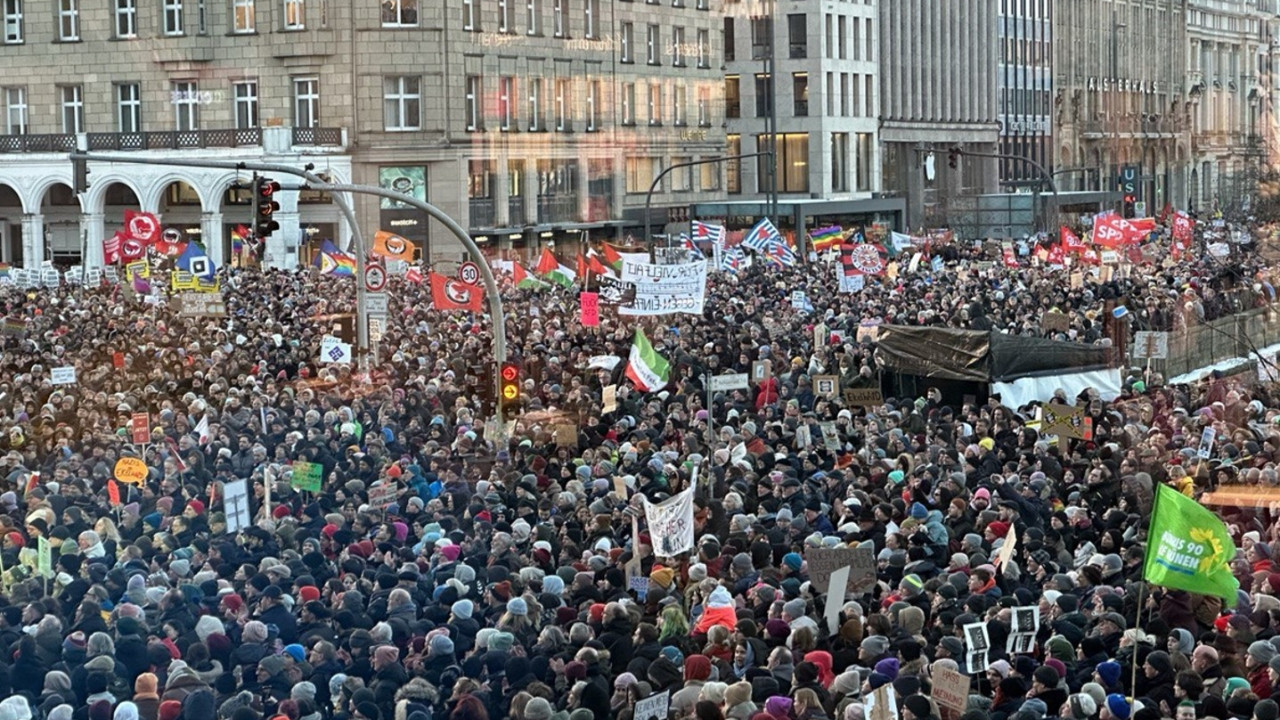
point(523, 279)
point(551, 269)
point(595, 266)
point(612, 258)
point(646, 368)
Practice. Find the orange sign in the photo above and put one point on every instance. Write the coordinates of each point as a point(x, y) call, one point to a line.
point(131, 470)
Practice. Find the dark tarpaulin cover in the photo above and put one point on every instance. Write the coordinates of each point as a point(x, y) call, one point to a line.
point(979, 356)
point(944, 353)
point(1017, 356)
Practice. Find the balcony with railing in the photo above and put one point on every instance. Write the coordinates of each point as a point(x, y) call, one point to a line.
point(65, 142)
point(482, 212)
point(557, 209)
point(317, 136)
point(515, 210)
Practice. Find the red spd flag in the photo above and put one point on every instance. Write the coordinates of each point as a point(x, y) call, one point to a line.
point(1010, 259)
point(1182, 229)
point(1057, 255)
point(450, 294)
point(1070, 241)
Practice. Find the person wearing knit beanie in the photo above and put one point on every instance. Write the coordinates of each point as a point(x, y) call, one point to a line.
point(537, 709)
point(254, 632)
point(918, 707)
point(1116, 707)
point(1108, 673)
point(737, 694)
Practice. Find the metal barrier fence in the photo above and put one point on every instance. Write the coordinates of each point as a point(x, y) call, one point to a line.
point(1202, 345)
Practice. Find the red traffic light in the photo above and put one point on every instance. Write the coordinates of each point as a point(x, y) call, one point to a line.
point(510, 373)
point(267, 188)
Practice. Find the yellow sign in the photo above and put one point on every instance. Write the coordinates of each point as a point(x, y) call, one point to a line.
point(131, 470)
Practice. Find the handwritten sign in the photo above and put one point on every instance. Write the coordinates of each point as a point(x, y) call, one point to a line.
point(63, 375)
point(1054, 322)
point(824, 562)
point(654, 707)
point(306, 476)
point(950, 688)
point(566, 436)
point(140, 428)
point(382, 495)
point(589, 304)
point(863, 397)
point(131, 470)
point(609, 396)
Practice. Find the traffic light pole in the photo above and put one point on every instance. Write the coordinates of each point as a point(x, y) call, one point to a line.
point(955, 152)
point(486, 274)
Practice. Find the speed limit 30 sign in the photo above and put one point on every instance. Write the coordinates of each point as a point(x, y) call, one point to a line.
point(469, 273)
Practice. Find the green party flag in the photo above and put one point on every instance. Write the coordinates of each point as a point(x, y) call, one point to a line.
point(1189, 548)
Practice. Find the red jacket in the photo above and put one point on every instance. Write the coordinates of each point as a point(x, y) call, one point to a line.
point(1260, 683)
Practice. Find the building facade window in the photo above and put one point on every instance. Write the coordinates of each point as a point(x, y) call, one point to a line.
point(732, 96)
point(245, 94)
point(728, 37)
point(680, 104)
point(471, 15)
point(128, 108)
point(506, 95)
point(681, 178)
point(866, 151)
point(626, 41)
point(474, 93)
point(295, 14)
point(557, 18)
point(704, 49)
point(733, 166)
point(186, 105)
point(677, 46)
point(306, 102)
point(640, 173)
point(400, 13)
point(704, 106)
point(593, 105)
point(791, 162)
point(506, 23)
point(764, 99)
point(15, 103)
point(591, 18)
point(800, 94)
point(126, 19)
point(243, 16)
point(13, 21)
point(839, 162)
point(68, 20)
point(564, 92)
point(173, 18)
point(628, 112)
point(710, 177)
point(797, 36)
point(532, 11)
point(655, 103)
point(653, 43)
point(402, 103)
point(535, 104)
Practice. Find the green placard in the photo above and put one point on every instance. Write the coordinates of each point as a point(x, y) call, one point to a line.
point(306, 476)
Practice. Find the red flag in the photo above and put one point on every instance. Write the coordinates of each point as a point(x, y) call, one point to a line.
point(413, 275)
point(113, 493)
point(142, 226)
point(450, 294)
point(547, 262)
point(177, 456)
point(1182, 230)
point(594, 265)
point(1010, 259)
point(111, 248)
point(1165, 212)
point(1057, 255)
point(132, 249)
point(1070, 241)
point(33, 480)
point(582, 267)
point(1090, 257)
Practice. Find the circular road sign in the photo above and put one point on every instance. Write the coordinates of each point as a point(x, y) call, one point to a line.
point(469, 273)
point(375, 277)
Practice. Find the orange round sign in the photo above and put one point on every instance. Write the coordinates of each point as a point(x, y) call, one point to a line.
point(131, 470)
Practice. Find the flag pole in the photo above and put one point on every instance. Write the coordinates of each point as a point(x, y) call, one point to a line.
point(1137, 621)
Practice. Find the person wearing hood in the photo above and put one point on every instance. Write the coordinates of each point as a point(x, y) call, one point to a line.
point(697, 671)
point(719, 610)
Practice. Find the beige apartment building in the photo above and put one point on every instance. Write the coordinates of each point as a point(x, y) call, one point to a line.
point(530, 121)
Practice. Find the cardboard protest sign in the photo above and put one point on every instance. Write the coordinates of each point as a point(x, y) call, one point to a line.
point(950, 688)
point(824, 562)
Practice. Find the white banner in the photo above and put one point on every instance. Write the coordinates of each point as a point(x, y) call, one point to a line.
point(665, 289)
point(671, 524)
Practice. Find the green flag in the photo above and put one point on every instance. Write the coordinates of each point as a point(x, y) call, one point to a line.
point(1189, 548)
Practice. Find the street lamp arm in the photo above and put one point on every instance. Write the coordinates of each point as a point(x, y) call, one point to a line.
point(648, 198)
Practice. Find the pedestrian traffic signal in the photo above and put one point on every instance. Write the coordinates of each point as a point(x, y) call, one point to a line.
point(265, 206)
point(509, 385)
point(953, 158)
point(1129, 202)
point(80, 176)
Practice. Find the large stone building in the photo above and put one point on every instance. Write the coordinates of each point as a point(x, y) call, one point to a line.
point(1024, 90)
point(1229, 51)
point(827, 163)
point(1119, 80)
point(937, 90)
point(528, 122)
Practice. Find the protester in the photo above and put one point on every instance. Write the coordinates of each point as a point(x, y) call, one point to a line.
point(441, 572)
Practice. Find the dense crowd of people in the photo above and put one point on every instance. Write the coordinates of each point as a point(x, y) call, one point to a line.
point(492, 580)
